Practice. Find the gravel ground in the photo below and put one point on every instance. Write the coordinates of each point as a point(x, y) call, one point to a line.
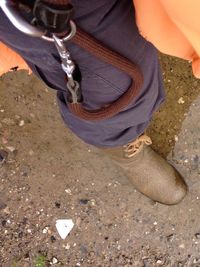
point(47, 174)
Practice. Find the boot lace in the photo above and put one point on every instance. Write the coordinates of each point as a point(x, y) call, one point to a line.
point(136, 146)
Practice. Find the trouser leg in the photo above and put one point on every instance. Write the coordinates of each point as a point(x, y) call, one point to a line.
point(101, 87)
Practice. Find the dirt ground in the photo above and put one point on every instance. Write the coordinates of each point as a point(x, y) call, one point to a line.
point(49, 174)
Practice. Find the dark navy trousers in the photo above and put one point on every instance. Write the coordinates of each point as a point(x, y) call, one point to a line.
point(113, 23)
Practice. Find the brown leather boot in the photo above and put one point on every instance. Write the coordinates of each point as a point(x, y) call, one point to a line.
point(149, 172)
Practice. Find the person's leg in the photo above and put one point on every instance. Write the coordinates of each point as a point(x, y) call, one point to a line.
point(120, 136)
point(111, 22)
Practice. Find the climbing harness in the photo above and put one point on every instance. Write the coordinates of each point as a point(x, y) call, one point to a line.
point(52, 21)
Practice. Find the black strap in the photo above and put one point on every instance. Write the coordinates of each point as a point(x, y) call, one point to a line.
point(50, 17)
point(53, 18)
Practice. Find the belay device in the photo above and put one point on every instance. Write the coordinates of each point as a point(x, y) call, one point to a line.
point(52, 21)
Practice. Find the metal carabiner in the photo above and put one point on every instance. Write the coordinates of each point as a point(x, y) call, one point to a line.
point(68, 65)
point(66, 38)
point(11, 9)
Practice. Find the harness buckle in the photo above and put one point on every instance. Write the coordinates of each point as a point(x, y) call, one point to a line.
point(53, 18)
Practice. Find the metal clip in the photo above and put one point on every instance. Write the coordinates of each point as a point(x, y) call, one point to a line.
point(68, 67)
point(75, 95)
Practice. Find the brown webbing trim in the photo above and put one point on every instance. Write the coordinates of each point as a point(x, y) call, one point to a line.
point(93, 46)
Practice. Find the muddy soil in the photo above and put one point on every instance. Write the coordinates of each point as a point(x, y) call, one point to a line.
point(49, 174)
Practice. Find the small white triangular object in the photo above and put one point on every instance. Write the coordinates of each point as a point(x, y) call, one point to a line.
point(64, 227)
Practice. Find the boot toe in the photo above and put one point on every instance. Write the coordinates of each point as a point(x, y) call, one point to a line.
point(161, 182)
point(178, 194)
point(168, 189)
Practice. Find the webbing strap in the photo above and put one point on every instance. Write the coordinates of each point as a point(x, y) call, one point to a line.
point(98, 49)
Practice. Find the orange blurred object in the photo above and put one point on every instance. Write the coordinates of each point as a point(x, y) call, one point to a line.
point(173, 26)
point(9, 59)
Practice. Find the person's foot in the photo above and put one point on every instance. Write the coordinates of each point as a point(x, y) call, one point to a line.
point(149, 172)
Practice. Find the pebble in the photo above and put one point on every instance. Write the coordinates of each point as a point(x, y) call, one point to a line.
point(181, 101)
point(45, 230)
point(93, 202)
point(176, 138)
point(68, 191)
point(54, 260)
point(21, 123)
point(118, 247)
point(182, 246)
point(67, 246)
